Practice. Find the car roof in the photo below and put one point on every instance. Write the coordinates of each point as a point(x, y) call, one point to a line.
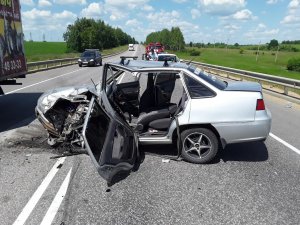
point(143, 64)
point(164, 54)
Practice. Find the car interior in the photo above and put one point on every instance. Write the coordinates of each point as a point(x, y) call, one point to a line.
point(147, 101)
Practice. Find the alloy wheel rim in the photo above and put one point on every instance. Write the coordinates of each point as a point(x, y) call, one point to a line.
point(197, 145)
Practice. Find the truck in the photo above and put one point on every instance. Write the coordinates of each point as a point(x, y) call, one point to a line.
point(157, 47)
point(12, 57)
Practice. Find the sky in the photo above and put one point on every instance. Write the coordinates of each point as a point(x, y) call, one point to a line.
point(227, 21)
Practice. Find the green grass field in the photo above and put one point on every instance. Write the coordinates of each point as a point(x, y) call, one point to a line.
point(246, 61)
point(39, 51)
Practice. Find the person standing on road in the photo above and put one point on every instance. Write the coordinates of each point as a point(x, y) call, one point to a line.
point(153, 55)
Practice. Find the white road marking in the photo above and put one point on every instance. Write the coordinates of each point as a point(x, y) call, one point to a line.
point(285, 143)
point(23, 216)
point(40, 82)
point(50, 215)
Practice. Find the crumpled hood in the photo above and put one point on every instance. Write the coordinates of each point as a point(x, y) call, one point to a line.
point(49, 98)
point(243, 86)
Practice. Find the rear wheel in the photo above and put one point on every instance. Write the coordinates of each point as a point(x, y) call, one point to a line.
point(79, 65)
point(199, 145)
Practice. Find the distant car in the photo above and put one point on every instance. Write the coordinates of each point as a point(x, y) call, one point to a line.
point(168, 57)
point(90, 57)
point(131, 47)
point(150, 102)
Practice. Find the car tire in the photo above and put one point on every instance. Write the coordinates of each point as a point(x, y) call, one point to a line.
point(101, 62)
point(79, 65)
point(199, 145)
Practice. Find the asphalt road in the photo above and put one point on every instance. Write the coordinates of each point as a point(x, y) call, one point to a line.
point(251, 183)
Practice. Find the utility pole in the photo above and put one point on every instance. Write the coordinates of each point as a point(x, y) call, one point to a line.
point(257, 52)
point(227, 43)
point(276, 54)
point(30, 37)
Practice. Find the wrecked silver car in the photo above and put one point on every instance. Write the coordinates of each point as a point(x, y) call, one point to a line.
point(140, 102)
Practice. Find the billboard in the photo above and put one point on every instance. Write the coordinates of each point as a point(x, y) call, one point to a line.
point(12, 58)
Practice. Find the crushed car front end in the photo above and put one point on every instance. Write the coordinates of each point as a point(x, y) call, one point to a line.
point(62, 112)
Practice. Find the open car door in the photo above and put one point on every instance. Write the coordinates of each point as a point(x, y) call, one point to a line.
point(109, 140)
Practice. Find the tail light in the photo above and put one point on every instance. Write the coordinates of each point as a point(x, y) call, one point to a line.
point(260, 105)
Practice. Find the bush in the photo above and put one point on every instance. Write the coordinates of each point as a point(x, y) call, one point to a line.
point(294, 64)
point(241, 51)
point(194, 52)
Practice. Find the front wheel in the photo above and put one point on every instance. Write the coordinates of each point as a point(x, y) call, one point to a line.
point(199, 145)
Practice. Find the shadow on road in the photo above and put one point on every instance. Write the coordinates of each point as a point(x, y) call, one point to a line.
point(17, 110)
point(247, 152)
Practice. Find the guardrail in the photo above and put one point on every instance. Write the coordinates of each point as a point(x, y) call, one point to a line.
point(285, 86)
point(56, 63)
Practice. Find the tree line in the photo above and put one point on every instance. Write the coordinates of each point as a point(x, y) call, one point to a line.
point(172, 39)
point(89, 33)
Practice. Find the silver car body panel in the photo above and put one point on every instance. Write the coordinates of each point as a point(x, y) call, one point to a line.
point(235, 119)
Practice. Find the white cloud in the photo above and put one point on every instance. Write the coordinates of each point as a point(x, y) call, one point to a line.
point(195, 13)
point(157, 21)
point(221, 7)
point(53, 25)
point(293, 15)
point(244, 14)
point(262, 33)
point(44, 3)
point(64, 15)
point(147, 8)
point(271, 2)
point(27, 2)
point(36, 14)
point(163, 16)
point(261, 26)
point(294, 4)
point(133, 23)
point(180, 1)
point(69, 2)
point(119, 9)
point(94, 10)
point(291, 19)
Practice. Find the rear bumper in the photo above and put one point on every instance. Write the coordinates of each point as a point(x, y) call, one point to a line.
point(237, 132)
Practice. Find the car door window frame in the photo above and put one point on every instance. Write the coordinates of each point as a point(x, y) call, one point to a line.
point(201, 83)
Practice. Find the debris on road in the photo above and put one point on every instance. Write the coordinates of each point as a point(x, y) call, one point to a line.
point(165, 160)
point(289, 105)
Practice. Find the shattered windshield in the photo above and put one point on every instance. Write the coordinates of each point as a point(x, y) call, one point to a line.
point(213, 80)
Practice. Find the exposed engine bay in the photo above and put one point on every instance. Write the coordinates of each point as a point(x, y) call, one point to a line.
point(62, 113)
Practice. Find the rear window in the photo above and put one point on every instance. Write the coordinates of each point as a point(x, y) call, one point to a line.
point(163, 57)
point(213, 80)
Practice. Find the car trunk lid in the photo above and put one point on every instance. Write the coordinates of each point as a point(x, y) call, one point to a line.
point(243, 86)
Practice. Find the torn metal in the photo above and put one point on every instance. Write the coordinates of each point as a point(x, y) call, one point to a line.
point(62, 111)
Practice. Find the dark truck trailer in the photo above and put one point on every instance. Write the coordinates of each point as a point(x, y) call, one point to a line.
point(12, 57)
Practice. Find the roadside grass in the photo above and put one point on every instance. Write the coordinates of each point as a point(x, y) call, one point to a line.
point(246, 61)
point(40, 51)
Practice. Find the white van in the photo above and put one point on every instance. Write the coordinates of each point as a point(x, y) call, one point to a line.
point(131, 47)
